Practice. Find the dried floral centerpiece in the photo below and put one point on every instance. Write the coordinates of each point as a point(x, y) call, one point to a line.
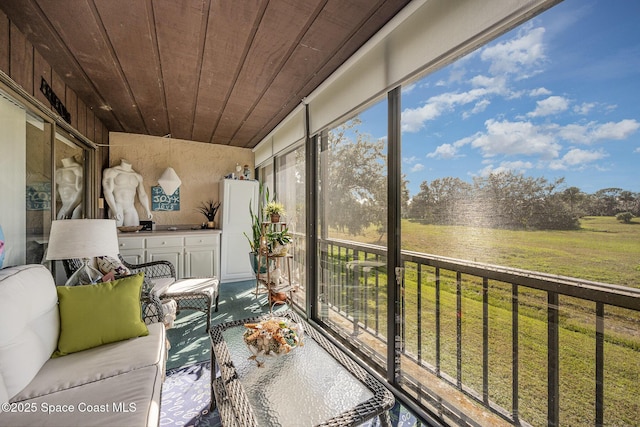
point(272, 337)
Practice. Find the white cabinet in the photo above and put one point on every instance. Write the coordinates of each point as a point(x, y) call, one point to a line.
point(201, 256)
point(236, 196)
point(132, 250)
point(167, 249)
point(192, 253)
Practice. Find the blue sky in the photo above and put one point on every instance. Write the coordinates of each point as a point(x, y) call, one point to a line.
point(556, 97)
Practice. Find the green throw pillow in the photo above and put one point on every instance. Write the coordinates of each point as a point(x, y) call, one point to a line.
point(92, 315)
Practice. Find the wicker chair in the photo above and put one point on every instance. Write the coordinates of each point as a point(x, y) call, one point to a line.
point(152, 311)
point(195, 296)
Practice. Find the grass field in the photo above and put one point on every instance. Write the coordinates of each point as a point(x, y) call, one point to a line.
point(603, 250)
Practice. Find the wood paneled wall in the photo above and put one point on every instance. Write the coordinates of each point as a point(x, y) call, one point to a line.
point(24, 64)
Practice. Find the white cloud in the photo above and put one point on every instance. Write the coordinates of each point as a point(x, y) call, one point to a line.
point(480, 106)
point(594, 132)
point(584, 108)
point(445, 151)
point(408, 89)
point(621, 130)
point(577, 156)
point(549, 106)
point(516, 138)
point(410, 160)
point(541, 91)
point(521, 56)
point(413, 119)
point(637, 150)
point(518, 167)
point(417, 167)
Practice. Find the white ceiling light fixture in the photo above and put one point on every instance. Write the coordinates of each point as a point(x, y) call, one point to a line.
point(169, 181)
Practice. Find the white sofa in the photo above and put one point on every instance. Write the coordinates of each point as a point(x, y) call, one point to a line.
point(116, 384)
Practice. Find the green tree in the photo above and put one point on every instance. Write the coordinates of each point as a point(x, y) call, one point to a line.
point(625, 217)
point(356, 180)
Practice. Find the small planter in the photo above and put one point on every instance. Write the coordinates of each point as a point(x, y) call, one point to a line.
point(280, 250)
point(211, 224)
point(274, 210)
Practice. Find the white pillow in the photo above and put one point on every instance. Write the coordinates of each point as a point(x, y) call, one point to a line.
point(107, 264)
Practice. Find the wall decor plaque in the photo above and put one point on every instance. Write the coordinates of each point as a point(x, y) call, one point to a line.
point(163, 202)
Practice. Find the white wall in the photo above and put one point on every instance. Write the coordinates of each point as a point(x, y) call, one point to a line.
point(13, 143)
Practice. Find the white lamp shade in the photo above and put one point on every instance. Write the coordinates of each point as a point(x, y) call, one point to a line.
point(169, 181)
point(82, 238)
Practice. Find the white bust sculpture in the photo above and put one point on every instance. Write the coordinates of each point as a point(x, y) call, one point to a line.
point(120, 185)
point(69, 183)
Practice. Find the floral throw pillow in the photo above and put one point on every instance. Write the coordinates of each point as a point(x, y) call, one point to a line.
point(107, 264)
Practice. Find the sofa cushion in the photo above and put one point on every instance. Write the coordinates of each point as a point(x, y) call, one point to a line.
point(30, 325)
point(93, 315)
point(107, 375)
point(160, 285)
point(96, 364)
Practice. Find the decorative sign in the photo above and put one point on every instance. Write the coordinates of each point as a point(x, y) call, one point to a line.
point(56, 104)
point(162, 202)
point(39, 196)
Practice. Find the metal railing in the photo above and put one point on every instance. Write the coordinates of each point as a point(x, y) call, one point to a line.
point(353, 285)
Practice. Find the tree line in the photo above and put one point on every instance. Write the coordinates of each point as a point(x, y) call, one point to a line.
point(355, 194)
point(514, 201)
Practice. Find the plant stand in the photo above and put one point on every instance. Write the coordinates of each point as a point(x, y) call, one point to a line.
point(270, 282)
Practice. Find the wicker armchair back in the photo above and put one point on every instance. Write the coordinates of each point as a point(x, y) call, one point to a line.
point(151, 305)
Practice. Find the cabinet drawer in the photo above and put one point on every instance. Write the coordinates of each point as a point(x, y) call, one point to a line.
point(201, 241)
point(162, 242)
point(124, 244)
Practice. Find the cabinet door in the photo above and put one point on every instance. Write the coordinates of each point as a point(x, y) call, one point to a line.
point(202, 256)
point(172, 254)
point(199, 262)
point(132, 249)
point(133, 256)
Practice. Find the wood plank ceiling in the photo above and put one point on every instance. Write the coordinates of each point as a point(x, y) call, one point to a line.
point(214, 71)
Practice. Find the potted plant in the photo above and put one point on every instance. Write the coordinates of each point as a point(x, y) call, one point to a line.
point(278, 242)
point(257, 218)
point(274, 210)
point(209, 209)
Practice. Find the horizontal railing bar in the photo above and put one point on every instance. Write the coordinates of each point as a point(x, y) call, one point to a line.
point(615, 295)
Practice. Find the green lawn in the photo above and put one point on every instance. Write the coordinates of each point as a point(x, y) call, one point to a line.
point(603, 250)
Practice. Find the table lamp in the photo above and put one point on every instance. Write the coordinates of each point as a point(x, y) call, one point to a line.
point(85, 239)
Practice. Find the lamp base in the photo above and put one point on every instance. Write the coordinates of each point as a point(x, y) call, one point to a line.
point(85, 275)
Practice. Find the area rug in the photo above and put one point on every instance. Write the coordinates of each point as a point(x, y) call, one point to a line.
point(186, 396)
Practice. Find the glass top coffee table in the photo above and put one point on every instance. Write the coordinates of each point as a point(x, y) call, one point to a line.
point(314, 384)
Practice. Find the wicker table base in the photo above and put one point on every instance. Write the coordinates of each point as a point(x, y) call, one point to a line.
point(315, 384)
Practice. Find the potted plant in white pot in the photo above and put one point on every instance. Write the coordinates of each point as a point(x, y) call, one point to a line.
point(278, 242)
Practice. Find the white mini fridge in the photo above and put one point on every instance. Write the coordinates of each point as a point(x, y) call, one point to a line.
point(235, 197)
